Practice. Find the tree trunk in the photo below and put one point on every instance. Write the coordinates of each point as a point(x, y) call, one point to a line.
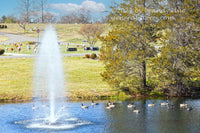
point(27, 11)
point(144, 62)
point(144, 75)
point(42, 6)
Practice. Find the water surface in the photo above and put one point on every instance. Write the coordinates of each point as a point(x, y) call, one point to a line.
point(16, 118)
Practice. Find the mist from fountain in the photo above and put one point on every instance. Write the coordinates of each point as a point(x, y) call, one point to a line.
point(49, 75)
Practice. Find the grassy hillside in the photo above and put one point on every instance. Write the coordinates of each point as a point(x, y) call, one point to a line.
point(65, 32)
point(82, 78)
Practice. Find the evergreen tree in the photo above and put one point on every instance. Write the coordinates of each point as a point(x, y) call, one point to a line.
point(178, 64)
point(128, 46)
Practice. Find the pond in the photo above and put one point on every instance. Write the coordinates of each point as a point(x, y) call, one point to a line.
point(20, 118)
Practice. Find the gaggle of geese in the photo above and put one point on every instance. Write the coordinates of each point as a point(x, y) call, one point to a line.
point(111, 105)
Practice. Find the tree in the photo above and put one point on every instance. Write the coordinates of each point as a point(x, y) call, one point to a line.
point(50, 18)
point(39, 13)
point(70, 19)
point(83, 16)
point(3, 19)
point(178, 64)
point(128, 46)
point(91, 32)
point(25, 8)
point(10, 19)
point(42, 5)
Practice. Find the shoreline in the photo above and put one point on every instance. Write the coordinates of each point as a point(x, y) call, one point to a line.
point(89, 98)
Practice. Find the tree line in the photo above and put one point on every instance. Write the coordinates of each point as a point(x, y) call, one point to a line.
point(36, 11)
point(153, 47)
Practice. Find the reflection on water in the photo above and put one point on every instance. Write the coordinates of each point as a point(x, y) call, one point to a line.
point(157, 119)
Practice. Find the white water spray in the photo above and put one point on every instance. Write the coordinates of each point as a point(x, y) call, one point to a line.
point(49, 76)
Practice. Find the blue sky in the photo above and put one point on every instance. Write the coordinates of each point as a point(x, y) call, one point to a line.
point(61, 7)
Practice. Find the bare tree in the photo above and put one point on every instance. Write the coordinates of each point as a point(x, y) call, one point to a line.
point(25, 8)
point(70, 19)
point(40, 6)
point(49, 18)
point(91, 32)
point(84, 16)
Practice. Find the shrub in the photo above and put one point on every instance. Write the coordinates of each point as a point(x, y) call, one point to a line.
point(31, 43)
point(93, 56)
point(87, 56)
point(2, 51)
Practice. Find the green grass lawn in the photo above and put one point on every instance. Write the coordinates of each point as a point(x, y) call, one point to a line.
point(16, 78)
point(82, 78)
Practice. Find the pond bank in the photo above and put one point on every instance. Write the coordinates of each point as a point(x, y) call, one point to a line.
point(20, 99)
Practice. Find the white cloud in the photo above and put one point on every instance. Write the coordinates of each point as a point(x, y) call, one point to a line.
point(89, 5)
point(93, 6)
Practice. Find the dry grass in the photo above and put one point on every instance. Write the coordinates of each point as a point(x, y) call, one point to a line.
point(65, 32)
point(2, 38)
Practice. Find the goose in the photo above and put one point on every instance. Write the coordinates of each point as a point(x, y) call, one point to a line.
point(183, 105)
point(94, 103)
point(112, 105)
point(164, 103)
point(63, 107)
point(108, 106)
point(34, 107)
point(136, 110)
point(189, 108)
point(150, 105)
point(83, 106)
point(131, 105)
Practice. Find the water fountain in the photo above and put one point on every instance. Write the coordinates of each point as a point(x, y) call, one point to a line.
point(49, 88)
point(49, 78)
